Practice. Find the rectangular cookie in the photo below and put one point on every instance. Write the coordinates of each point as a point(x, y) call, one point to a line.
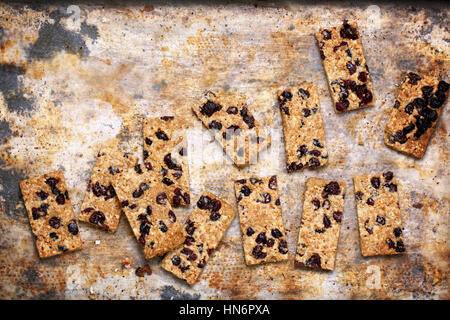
point(203, 231)
point(379, 218)
point(263, 234)
point(165, 148)
point(100, 206)
point(148, 210)
point(415, 114)
point(318, 238)
point(345, 66)
point(233, 125)
point(51, 215)
point(304, 135)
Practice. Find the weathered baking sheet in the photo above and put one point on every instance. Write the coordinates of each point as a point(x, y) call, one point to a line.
point(76, 75)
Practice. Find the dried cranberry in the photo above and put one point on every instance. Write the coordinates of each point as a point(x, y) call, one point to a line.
point(270, 242)
point(60, 199)
point(189, 240)
point(342, 105)
point(63, 248)
point(110, 192)
point(364, 94)
point(370, 201)
point(331, 188)
point(42, 195)
point(250, 231)
point(52, 182)
point(258, 253)
point(53, 235)
point(400, 247)
point(326, 34)
point(248, 119)
point(362, 76)
point(337, 215)
point(316, 204)
point(348, 32)
point(261, 238)
point(54, 222)
point(190, 227)
point(73, 227)
point(144, 228)
point(161, 198)
point(443, 86)
point(167, 181)
point(303, 93)
point(396, 104)
point(171, 163)
point(400, 137)
point(266, 198)
point(176, 260)
point(133, 206)
point(388, 175)
point(391, 186)
point(138, 169)
point(161, 135)
point(294, 166)
point(204, 203)
point(142, 218)
point(148, 165)
point(137, 193)
point(306, 112)
point(313, 162)
point(215, 125)
point(397, 232)
point(351, 68)
point(276, 233)
point(273, 183)
point(209, 108)
point(413, 78)
point(359, 195)
point(232, 110)
point(381, 220)
point(375, 181)
point(97, 217)
point(246, 191)
point(125, 203)
point(282, 247)
point(326, 221)
point(435, 103)
point(390, 243)
point(172, 216)
point(35, 213)
point(314, 261)
point(317, 143)
point(214, 216)
point(141, 239)
point(163, 227)
point(148, 141)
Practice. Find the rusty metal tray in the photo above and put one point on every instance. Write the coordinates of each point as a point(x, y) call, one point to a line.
point(74, 75)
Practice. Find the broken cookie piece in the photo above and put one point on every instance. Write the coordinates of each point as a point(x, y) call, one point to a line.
point(203, 231)
point(51, 215)
point(345, 66)
point(229, 118)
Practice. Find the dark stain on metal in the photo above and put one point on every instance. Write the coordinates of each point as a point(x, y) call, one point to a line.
point(52, 38)
point(170, 293)
point(11, 88)
point(31, 275)
point(10, 192)
point(89, 29)
point(5, 131)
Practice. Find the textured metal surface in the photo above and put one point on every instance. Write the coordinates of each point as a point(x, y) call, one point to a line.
point(73, 76)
